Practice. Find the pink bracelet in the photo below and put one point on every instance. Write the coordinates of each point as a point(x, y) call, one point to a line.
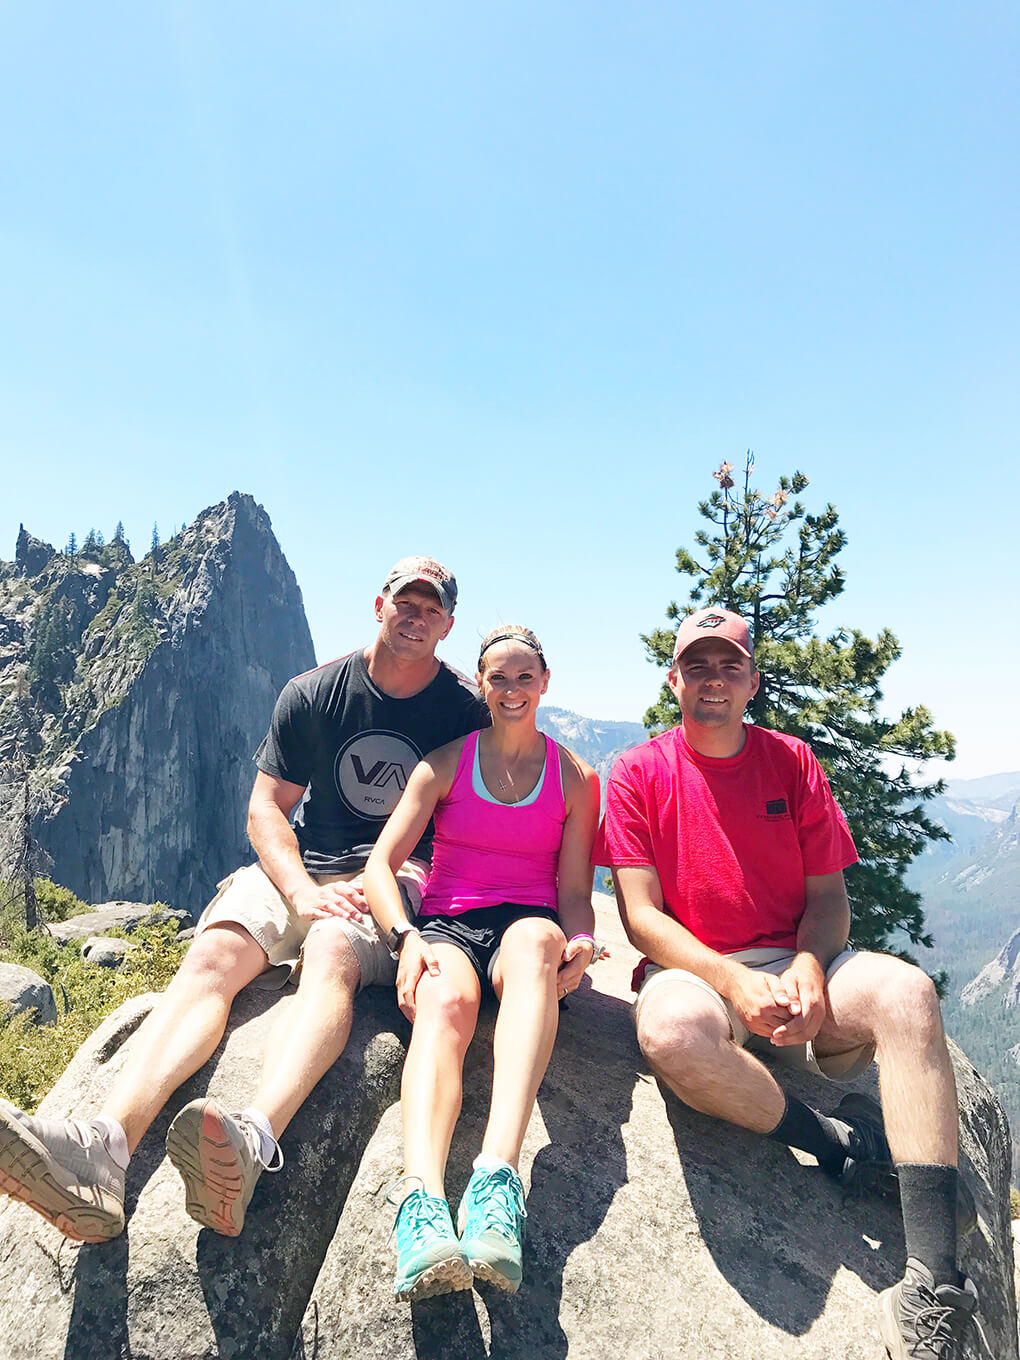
point(589, 938)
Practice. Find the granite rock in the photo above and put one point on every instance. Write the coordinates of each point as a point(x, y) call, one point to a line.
point(652, 1231)
point(23, 990)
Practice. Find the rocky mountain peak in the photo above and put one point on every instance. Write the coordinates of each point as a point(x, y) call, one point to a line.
point(139, 691)
point(1003, 971)
point(31, 554)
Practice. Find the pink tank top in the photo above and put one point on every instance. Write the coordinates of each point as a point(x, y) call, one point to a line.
point(486, 852)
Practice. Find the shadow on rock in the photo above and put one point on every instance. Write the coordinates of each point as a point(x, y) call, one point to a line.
point(574, 1177)
point(777, 1229)
point(98, 1328)
point(257, 1286)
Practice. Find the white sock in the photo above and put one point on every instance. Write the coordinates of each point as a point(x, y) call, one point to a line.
point(485, 1162)
point(113, 1135)
point(268, 1146)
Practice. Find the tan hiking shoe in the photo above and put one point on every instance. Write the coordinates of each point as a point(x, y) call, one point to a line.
point(63, 1170)
point(219, 1156)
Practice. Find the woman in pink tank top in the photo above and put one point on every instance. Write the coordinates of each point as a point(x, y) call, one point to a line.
point(507, 908)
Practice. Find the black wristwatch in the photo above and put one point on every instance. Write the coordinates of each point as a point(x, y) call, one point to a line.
point(396, 937)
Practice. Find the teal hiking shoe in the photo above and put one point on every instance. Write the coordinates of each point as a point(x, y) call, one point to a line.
point(491, 1220)
point(429, 1257)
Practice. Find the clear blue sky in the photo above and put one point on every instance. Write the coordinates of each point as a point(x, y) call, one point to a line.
point(505, 284)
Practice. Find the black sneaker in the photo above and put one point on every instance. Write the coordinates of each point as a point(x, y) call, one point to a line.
point(868, 1150)
point(869, 1164)
point(925, 1321)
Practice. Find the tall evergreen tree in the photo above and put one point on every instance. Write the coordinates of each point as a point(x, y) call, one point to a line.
point(72, 545)
point(766, 558)
point(155, 540)
point(22, 858)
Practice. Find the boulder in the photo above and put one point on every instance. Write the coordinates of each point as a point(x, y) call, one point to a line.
point(23, 990)
point(652, 1231)
point(105, 951)
point(122, 916)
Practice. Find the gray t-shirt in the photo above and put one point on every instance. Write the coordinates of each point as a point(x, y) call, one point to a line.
point(354, 747)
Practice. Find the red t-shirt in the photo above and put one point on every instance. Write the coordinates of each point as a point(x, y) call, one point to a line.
point(732, 839)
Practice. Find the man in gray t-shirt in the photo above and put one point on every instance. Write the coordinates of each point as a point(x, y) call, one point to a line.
point(342, 742)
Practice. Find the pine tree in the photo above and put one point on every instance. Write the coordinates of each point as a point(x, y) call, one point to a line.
point(768, 559)
point(155, 541)
point(22, 858)
point(72, 546)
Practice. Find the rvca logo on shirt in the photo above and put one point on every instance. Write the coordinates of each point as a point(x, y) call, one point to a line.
point(372, 771)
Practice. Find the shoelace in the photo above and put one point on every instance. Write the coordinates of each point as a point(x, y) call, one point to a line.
point(253, 1137)
point(423, 1211)
point(503, 1200)
point(944, 1326)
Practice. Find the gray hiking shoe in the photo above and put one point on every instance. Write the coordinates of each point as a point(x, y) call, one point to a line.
point(63, 1170)
point(219, 1156)
point(925, 1321)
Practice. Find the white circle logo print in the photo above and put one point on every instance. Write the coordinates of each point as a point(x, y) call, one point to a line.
point(372, 771)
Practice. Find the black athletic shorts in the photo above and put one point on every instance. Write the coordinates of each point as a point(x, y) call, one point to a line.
point(479, 932)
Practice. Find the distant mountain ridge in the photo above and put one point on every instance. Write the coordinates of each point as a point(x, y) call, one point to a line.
point(597, 740)
point(970, 887)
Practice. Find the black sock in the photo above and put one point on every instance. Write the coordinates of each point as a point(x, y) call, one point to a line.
point(811, 1131)
point(928, 1198)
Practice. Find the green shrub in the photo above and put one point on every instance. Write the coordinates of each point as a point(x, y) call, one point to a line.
point(57, 903)
point(1014, 1202)
point(33, 1056)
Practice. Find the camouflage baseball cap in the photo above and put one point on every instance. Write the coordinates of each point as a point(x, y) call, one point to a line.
point(426, 570)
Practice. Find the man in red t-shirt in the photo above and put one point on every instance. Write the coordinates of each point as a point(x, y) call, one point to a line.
point(728, 853)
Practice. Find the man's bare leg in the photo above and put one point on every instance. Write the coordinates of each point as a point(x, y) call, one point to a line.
point(72, 1171)
point(181, 1032)
point(313, 1028)
point(685, 1035)
point(875, 998)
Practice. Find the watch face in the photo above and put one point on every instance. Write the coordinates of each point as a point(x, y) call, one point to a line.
point(397, 936)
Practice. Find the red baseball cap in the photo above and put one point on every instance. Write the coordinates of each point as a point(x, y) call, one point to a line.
point(713, 622)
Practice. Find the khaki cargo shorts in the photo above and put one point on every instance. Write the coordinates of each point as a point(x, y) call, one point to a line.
point(837, 1067)
point(249, 898)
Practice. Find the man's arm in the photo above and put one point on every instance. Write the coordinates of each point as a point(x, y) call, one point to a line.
point(760, 999)
point(821, 935)
point(272, 836)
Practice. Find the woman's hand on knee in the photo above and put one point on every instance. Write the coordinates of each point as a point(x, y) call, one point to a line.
point(577, 955)
point(416, 957)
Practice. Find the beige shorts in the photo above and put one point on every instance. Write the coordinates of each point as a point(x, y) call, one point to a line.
point(837, 1067)
point(250, 899)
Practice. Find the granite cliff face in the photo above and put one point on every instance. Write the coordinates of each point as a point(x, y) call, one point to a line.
point(138, 693)
point(1002, 972)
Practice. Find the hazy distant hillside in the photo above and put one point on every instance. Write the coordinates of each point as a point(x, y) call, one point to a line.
point(971, 892)
point(970, 810)
point(595, 740)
